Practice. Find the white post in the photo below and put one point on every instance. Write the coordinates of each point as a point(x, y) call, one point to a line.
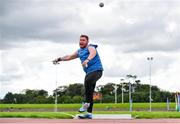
point(122, 94)
point(130, 99)
point(178, 101)
point(55, 102)
point(115, 93)
point(150, 97)
point(122, 91)
point(167, 104)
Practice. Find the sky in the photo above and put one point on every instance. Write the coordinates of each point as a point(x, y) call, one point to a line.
point(35, 32)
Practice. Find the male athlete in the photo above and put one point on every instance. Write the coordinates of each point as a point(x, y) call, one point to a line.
point(92, 66)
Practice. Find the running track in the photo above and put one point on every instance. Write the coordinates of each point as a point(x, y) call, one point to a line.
point(93, 121)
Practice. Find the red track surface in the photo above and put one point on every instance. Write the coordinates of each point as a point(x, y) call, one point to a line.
point(93, 121)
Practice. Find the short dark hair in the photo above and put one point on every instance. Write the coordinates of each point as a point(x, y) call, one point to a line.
point(85, 37)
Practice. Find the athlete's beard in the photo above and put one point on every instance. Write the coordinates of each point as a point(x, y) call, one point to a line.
point(83, 46)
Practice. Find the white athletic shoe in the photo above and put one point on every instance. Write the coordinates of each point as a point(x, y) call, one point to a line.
point(84, 107)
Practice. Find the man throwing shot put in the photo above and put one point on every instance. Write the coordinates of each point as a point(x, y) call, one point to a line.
point(92, 66)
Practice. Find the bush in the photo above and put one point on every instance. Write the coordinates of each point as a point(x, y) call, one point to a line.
point(77, 99)
point(65, 99)
point(108, 99)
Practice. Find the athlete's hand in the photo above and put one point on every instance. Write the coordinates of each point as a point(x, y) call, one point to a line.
point(85, 63)
point(56, 61)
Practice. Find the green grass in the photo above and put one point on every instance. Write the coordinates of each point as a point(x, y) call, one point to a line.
point(147, 115)
point(61, 115)
point(156, 107)
point(36, 106)
point(156, 114)
point(35, 115)
point(96, 105)
point(135, 105)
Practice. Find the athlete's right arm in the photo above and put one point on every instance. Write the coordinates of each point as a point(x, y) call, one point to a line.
point(69, 57)
point(66, 58)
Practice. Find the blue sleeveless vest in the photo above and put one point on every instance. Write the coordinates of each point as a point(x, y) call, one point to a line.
point(94, 64)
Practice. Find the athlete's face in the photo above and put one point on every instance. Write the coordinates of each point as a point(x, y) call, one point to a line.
point(83, 42)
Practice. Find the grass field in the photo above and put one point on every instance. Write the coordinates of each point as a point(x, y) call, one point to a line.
point(96, 105)
point(115, 109)
point(34, 115)
point(66, 115)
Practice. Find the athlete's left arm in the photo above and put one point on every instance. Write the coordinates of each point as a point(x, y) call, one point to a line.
point(92, 54)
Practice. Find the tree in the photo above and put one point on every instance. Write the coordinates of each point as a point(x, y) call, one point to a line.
point(108, 89)
point(36, 96)
point(20, 98)
point(75, 90)
point(108, 98)
point(61, 91)
point(73, 94)
point(50, 99)
point(77, 99)
point(40, 99)
point(42, 93)
point(9, 98)
point(65, 99)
